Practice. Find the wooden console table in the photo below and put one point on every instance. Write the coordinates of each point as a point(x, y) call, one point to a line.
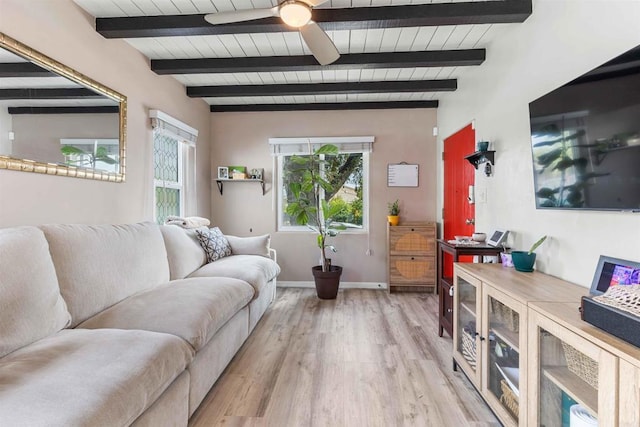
point(445, 284)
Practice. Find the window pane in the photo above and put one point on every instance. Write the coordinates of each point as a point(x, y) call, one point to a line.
point(167, 203)
point(345, 173)
point(165, 156)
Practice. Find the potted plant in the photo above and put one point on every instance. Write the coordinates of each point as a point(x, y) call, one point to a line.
point(394, 212)
point(523, 261)
point(308, 207)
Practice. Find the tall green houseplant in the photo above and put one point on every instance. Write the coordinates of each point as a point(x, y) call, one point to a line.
point(307, 206)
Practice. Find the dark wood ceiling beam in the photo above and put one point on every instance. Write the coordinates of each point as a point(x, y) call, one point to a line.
point(431, 58)
point(23, 69)
point(323, 88)
point(49, 93)
point(325, 106)
point(482, 12)
point(102, 109)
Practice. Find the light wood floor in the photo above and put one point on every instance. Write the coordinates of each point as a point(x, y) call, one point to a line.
point(365, 359)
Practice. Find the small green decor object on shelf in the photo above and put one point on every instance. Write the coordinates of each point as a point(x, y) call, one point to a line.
point(524, 261)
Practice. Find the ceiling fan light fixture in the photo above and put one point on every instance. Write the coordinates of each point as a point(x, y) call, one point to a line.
point(295, 13)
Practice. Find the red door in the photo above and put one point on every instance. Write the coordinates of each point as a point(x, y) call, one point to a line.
point(459, 174)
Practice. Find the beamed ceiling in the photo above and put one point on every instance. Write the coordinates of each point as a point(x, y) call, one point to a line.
point(394, 53)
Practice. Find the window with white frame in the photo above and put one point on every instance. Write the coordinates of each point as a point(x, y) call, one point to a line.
point(174, 166)
point(348, 172)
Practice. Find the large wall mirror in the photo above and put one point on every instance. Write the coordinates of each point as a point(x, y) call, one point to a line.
point(56, 121)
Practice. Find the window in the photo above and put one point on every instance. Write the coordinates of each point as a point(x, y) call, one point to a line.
point(348, 172)
point(174, 166)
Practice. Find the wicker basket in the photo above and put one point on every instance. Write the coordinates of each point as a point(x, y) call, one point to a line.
point(581, 365)
point(509, 399)
point(505, 315)
point(469, 348)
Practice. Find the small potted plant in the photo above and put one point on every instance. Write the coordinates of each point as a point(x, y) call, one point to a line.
point(523, 261)
point(394, 212)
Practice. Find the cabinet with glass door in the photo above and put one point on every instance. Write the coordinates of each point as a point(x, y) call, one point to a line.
point(488, 345)
point(504, 367)
point(467, 297)
point(570, 377)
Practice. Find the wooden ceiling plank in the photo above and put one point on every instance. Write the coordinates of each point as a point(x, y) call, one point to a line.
point(324, 106)
point(278, 44)
point(390, 37)
point(166, 7)
point(204, 6)
point(316, 88)
point(434, 14)
point(374, 40)
point(440, 37)
point(308, 63)
point(423, 38)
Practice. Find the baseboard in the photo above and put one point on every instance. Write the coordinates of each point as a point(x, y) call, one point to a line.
point(343, 285)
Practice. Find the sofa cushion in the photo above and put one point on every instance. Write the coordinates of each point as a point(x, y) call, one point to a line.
point(183, 251)
point(214, 243)
point(193, 309)
point(99, 265)
point(253, 245)
point(31, 305)
point(255, 270)
point(88, 377)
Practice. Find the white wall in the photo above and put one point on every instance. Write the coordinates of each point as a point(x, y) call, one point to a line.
point(63, 31)
point(401, 135)
point(560, 41)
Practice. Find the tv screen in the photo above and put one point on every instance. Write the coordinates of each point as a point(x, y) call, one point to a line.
point(585, 139)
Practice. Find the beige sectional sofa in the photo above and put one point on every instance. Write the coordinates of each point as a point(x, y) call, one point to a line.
point(117, 325)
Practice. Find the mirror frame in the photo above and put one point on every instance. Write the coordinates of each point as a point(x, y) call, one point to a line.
point(48, 63)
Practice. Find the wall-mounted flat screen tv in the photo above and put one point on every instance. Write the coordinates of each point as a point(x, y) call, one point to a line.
point(585, 139)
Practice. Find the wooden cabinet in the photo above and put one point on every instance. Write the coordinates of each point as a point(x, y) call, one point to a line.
point(490, 335)
point(527, 326)
point(489, 345)
point(568, 368)
point(411, 257)
point(629, 392)
point(614, 398)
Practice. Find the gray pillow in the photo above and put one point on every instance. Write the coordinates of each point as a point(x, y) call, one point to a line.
point(214, 243)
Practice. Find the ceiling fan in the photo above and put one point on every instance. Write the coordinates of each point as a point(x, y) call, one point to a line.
point(295, 13)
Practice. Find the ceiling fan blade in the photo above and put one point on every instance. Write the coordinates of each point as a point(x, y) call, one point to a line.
point(240, 15)
point(319, 43)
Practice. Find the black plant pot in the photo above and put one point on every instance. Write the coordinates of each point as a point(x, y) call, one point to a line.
point(328, 282)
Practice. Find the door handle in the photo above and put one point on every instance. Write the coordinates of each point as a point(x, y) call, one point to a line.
point(470, 221)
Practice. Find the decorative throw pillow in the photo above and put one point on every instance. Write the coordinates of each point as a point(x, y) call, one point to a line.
point(214, 243)
point(254, 245)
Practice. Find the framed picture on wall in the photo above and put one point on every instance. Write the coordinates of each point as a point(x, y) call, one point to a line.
point(223, 172)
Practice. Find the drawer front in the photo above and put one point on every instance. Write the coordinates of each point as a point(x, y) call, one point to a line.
point(412, 270)
point(416, 240)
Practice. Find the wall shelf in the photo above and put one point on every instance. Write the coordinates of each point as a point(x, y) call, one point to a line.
point(221, 182)
point(480, 157)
